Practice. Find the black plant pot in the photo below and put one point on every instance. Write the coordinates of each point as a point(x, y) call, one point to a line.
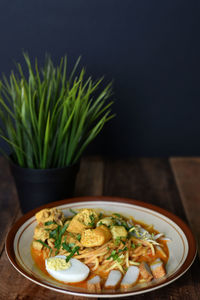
point(36, 187)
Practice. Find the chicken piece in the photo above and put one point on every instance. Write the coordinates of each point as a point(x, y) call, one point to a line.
point(36, 245)
point(130, 278)
point(145, 271)
point(52, 214)
point(95, 237)
point(108, 221)
point(94, 284)
point(119, 232)
point(113, 280)
point(86, 218)
point(40, 233)
point(157, 269)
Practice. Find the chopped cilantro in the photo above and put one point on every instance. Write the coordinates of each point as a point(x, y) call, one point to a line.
point(63, 229)
point(100, 215)
point(114, 255)
point(133, 245)
point(123, 223)
point(73, 251)
point(50, 252)
point(54, 233)
point(120, 222)
point(49, 223)
point(44, 244)
point(68, 247)
point(92, 218)
point(78, 237)
point(61, 232)
point(124, 249)
point(117, 215)
point(65, 237)
point(119, 240)
point(67, 225)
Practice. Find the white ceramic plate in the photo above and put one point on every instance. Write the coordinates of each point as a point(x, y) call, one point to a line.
point(182, 248)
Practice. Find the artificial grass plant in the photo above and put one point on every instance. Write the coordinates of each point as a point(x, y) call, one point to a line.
point(50, 117)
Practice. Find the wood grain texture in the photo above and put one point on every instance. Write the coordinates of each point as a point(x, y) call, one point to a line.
point(187, 175)
point(9, 206)
point(146, 179)
point(90, 177)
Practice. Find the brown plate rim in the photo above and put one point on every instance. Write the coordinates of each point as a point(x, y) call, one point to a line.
point(188, 233)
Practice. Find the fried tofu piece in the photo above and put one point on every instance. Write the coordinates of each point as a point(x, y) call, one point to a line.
point(157, 269)
point(113, 280)
point(40, 233)
point(50, 214)
point(130, 278)
point(119, 232)
point(36, 245)
point(95, 237)
point(94, 284)
point(86, 218)
point(145, 271)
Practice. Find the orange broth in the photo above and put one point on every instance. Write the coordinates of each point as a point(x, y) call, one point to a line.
point(39, 259)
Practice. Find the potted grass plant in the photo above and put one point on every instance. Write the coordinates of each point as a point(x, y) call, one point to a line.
point(48, 119)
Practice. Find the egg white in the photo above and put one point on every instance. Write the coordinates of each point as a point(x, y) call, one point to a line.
point(77, 272)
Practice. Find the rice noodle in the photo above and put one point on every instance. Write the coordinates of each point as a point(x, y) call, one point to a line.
point(116, 254)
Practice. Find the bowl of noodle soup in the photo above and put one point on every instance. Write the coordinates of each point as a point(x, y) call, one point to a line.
point(181, 248)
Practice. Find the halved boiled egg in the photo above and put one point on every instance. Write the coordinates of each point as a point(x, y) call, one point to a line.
point(72, 271)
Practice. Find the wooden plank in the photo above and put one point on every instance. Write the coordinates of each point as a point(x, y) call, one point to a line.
point(12, 284)
point(9, 206)
point(151, 180)
point(187, 175)
point(90, 177)
point(146, 179)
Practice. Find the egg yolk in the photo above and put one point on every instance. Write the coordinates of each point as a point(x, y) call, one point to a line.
point(57, 264)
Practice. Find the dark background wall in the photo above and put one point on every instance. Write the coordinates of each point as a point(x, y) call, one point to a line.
point(150, 48)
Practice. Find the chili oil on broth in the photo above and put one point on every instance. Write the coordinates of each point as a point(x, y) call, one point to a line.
point(39, 256)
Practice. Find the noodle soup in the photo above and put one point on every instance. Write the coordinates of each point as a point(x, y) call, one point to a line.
point(118, 251)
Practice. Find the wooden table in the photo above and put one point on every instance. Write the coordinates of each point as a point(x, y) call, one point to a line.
point(173, 184)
